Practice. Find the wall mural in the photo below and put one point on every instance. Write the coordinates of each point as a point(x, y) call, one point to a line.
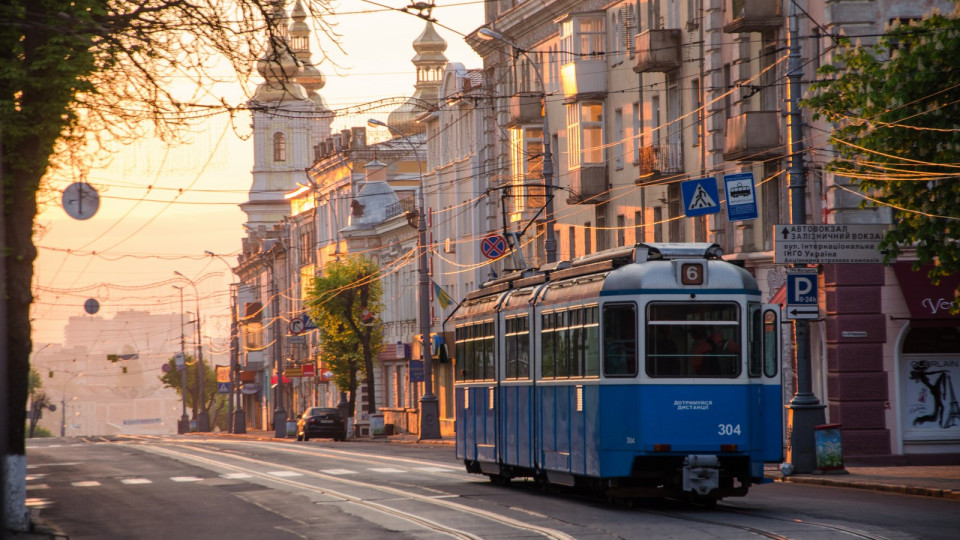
point(930, 396)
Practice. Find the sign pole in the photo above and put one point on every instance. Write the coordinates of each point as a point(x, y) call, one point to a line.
point(805, 410)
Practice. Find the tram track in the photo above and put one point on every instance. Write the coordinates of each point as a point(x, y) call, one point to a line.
point(834, 528)
point(805, 527)
point(192, 453)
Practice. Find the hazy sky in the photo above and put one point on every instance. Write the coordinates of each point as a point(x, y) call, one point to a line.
point(162, 207)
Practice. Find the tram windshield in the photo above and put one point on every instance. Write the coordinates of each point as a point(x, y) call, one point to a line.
point(693, 340)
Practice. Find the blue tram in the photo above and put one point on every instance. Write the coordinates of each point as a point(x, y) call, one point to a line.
point(647, 371)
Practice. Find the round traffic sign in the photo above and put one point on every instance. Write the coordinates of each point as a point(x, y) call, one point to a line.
point(296, 326)
point(493, 246)
point(91, 306)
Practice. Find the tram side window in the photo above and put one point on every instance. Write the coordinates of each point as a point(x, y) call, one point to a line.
point(547, 362)
point(487, 356)
point(620, 340)
point(570, 343)
point(475, 352)
point(591, 341)
point(518, 348)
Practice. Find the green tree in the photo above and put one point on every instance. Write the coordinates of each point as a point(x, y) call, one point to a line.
point(345, 303)
point(214, 403)
point(39, 400)
point(86, 75)
point(896, 111)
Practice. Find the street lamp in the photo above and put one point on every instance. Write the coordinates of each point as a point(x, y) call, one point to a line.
point(238, 420)
point(184, 425)
point(203, 420)
point(429, 406)
point(550, 242)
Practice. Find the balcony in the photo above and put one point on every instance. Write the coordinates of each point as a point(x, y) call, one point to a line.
point(752, 16)
point(589, 184)
point(584, 77)
point(658, 51)
point(525, 108)
point(659, 160)
point(753, 136)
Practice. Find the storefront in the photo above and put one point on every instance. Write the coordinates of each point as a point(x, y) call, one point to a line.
point(928, 365)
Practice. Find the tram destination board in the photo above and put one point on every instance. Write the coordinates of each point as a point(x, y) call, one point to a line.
point(828, 243)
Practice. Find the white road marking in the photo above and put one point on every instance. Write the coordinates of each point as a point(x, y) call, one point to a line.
point(386, 470)
point(337, 471)
point(136, 481)
point(88, 483)
point(432, 469)
point(186, 478)
point(236, 476)
point(284, 474)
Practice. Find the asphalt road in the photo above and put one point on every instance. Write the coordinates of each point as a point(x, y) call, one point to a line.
point(144, 488)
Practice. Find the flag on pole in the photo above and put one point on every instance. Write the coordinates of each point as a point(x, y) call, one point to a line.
point(442, 296)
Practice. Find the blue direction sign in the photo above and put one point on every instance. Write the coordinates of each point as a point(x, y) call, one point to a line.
point(741, 196)
point(700, 197)
point(223, 388)
point(802, 295)
point(493, 246)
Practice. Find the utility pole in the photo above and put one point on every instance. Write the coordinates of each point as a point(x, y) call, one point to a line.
point(805, 410)
point(279, 414)
point(184, 425)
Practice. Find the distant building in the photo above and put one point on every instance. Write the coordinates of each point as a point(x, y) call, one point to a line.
point(105, 378)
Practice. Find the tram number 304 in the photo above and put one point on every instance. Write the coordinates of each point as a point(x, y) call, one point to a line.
point(728, 429)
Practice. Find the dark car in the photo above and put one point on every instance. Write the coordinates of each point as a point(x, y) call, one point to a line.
point(321, 422)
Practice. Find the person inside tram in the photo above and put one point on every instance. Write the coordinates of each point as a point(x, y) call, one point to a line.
point(711, 350)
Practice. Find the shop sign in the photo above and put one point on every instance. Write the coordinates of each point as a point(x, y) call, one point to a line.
point(925, 300)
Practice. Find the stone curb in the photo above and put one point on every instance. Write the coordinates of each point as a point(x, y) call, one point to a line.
point(949, 494)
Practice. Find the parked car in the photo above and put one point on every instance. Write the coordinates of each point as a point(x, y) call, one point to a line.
point(321, 422)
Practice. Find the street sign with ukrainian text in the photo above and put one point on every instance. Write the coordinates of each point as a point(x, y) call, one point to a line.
point(828, 243)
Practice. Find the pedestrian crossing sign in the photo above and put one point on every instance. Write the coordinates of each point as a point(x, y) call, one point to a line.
point(700, 197)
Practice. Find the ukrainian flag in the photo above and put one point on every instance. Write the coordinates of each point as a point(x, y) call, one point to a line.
point(442, 296)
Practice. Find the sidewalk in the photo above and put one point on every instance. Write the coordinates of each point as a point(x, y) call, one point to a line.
point(941, 481)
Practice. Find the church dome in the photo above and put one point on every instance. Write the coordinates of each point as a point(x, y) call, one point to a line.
point(429, 62)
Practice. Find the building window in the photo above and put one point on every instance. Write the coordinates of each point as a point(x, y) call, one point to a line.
point(637, 140)
point(582, 36)
point(572, 241)
point(618, 148)
point(585, 134)
point(658, 224)
point(638, 235)
point(587, 247)
point(527, 167)
point(279, 147)
point(621, 230)
point(601, 215)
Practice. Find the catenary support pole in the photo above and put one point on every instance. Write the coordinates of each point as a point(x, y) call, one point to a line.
point(804, 409)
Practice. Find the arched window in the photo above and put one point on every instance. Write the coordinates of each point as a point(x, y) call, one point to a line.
point(279, 147)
